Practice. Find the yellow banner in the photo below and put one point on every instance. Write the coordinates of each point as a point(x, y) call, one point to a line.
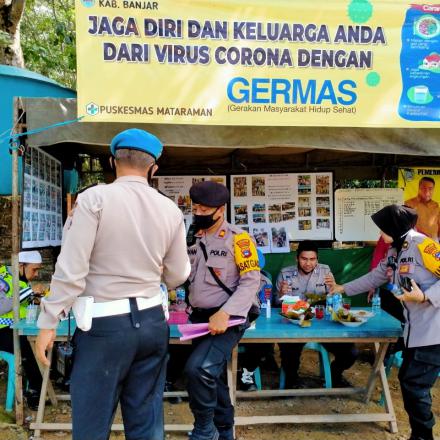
point(347, 63)
point(421, 191)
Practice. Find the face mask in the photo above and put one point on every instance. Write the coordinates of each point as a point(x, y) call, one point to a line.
point(204, 221)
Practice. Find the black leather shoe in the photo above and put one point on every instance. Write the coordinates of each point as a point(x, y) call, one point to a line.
point(225, 433)
point(174, 400)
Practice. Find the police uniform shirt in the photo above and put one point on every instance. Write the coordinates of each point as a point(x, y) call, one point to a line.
point(419, 260)
point(235, 262)
point(301, 283)
point(118, 242)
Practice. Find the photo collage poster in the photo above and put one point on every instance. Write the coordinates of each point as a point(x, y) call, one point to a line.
point(42, 200)
point(278, 208)
point(177, 189)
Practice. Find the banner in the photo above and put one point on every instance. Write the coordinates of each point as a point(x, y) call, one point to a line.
point(421, 187)
point(409, 180)
point(357, 63)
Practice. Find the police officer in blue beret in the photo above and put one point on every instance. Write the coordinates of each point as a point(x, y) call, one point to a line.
point(120, 241)
point(224, 281)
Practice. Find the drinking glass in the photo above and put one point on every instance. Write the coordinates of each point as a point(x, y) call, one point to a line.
point(319, 312)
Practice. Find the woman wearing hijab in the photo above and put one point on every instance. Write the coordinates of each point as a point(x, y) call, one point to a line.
point(417, 257)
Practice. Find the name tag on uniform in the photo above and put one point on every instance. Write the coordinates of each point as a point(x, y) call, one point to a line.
point(406, 268)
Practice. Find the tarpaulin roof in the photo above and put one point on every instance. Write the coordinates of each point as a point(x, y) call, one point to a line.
point(42, 112)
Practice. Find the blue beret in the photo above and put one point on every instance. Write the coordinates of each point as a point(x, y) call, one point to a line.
point(209, 193)
point(136, 139)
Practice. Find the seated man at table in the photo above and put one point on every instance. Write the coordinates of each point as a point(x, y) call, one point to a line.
point(309, 276)
point(29, 265)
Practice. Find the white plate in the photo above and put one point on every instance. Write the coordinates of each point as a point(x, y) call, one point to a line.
point(352, 324)
point(363, 314)
point(294, 321)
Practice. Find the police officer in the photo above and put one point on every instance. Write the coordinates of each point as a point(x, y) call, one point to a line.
point(309, 276)
point(415, 256)
point(29, 265)
point(224, 280)
point(120, 241)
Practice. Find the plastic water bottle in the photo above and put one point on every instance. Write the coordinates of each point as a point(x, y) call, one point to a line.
point(337, 301)
point(328, 306)
point(31, 313)
point(180, 298)
point(268, 310)
point(394, 289)
point(375, 303)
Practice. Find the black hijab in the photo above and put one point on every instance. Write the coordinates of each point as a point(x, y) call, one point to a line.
point(396, 221)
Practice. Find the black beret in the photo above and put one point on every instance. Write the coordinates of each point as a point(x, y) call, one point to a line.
point(209, 193)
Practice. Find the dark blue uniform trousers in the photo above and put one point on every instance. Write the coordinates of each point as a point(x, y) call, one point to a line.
point(122, 358)
point(417, 375)
point(205, 372)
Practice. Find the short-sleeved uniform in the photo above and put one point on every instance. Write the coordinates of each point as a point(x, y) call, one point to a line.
point(419, 259)
point(232, 255)
point(301, 283)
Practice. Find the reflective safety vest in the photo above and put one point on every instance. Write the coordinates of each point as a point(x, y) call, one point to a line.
point(7, 319)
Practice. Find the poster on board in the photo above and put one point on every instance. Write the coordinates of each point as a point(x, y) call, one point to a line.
point(278, 208)
point(353, 210)
point(42, 200)
point(177, 188)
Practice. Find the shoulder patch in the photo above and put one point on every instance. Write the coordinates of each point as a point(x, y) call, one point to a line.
point(430, 252)
point(245, 253)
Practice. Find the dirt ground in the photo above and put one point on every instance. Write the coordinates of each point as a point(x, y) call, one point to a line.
point(275, 406)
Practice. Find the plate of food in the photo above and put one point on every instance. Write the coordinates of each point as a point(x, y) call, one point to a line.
point(363, 314)
point(299, 313)
point(347, 318)
point(302, 321)
point(353, 323)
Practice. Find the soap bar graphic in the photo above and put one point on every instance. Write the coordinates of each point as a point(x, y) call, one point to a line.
point(420, 64)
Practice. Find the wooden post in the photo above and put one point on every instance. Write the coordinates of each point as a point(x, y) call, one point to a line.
point(15, 283)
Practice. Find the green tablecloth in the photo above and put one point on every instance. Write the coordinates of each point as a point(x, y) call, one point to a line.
point(346, 265)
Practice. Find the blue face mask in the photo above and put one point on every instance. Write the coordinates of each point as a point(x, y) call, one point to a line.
point(201, 222)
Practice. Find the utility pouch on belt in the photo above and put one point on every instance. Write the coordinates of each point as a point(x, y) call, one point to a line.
point(83, 311)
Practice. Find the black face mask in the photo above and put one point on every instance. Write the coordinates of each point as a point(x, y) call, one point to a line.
point(204, 221)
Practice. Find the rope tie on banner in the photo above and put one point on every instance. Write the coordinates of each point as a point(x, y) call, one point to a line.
point(14, 138)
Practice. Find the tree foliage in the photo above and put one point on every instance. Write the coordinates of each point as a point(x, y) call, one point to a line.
point(48, 39)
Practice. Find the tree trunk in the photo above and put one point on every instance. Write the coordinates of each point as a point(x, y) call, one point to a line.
point(10, 48)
